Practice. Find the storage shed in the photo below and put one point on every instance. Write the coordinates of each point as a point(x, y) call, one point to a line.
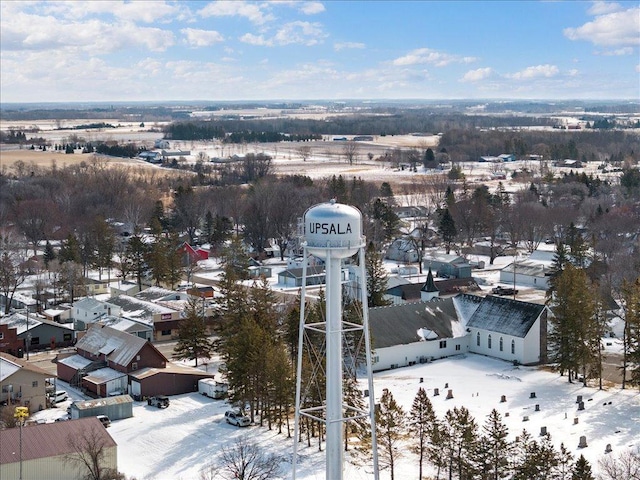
point(117, 407)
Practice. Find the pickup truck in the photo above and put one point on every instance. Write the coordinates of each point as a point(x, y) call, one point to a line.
point(503, 291)
point(160, 401)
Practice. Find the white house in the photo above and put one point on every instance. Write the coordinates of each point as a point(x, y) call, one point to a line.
point(419, 332)
point(88, 309)
point(527, 272)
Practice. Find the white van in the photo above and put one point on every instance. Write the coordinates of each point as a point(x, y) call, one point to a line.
point(59, 396)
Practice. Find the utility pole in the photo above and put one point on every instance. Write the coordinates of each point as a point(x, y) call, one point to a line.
point(21, 414)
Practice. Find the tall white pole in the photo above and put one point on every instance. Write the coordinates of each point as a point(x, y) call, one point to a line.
point(334, 455)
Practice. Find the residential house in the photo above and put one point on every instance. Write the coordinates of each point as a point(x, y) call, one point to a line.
point(315, 276)
point(104, 358)
point(9, 341)
point(447, 265)
point(526, 272)
point(22, 383)
point(128, 325)
point(38, 333)
point(407, 292)
point(88, 310)
point(163, 316)
point(402, 250)
point(46, 449)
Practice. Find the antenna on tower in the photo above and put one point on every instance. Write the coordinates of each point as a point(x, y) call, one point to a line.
point(333, 232)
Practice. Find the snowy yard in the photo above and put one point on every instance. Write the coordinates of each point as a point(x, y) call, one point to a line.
point(175, 443)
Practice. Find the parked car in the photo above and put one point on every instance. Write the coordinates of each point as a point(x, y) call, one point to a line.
point(106, 421)
point(160, 401)
point(503, 291)
point(59, 396)
point(237, 418)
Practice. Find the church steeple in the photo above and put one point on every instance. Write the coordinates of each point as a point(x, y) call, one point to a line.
point(429, 289)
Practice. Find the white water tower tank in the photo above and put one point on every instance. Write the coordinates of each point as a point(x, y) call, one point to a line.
point(333, 229)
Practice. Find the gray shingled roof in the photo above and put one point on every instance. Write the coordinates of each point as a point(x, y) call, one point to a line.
point(504, 315)
point(120, 347)
point(399, 324)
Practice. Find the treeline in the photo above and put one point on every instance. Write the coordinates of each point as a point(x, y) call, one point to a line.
point(588, 146)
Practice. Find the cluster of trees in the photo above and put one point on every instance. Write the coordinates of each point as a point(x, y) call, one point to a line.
point(579, 320)
point(458, 447)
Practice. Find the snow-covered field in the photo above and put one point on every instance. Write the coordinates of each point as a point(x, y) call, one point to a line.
point(177, 442)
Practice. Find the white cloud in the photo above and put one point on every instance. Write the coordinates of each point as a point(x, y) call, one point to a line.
point(347, 45)
point(638, 68)
point(601, 8)
point(303, 33)
point(616, 28)
point(312, 8)
point(618, 52)
point(427, 55)
point(201, 38)
point(255, 13)
point(537, 71)
point(25, 31)
point(477, 75)
point(146, 12)
point(257, 40)
point(573, 72)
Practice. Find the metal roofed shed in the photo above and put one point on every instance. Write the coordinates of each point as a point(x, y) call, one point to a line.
point(120, 406)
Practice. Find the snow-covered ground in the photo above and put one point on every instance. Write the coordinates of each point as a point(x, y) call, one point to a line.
point(177, 442)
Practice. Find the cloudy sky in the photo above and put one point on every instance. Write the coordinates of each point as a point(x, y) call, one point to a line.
point(234, 50)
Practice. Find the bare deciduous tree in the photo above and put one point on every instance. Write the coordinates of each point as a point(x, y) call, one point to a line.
point(304, 151)
point(244, 461)
point(89, 452)
point(350, 151)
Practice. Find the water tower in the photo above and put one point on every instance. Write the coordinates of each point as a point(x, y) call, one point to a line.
point(333, 232)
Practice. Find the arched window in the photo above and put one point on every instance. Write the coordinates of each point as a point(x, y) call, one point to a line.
point(501, 344)
point(478, 339)
point(489, 341)
point(513, 346)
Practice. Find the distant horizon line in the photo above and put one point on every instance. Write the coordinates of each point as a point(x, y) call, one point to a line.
point(5, 105)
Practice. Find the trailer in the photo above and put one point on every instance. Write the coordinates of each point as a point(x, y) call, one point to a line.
point(211, 388)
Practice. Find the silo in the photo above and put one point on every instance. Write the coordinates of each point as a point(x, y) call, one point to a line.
point(333, 232)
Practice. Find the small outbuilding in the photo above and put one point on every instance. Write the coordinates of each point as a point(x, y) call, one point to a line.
point(116, 407)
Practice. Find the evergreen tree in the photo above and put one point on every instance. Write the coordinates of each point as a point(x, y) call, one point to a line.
point(421, 421)
point(49, 254)
point(193, 339)
point(447, 229)
point(578, 248)
point(376, 278)
point(564, 466)
point(631, 334)
point(582, 470)
point(461, 436)
point(493, 449)
point(70, 250)
point(136, 257)
point(436, 452)
point(560, 260)
point(573, 325)
point(390, 424)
